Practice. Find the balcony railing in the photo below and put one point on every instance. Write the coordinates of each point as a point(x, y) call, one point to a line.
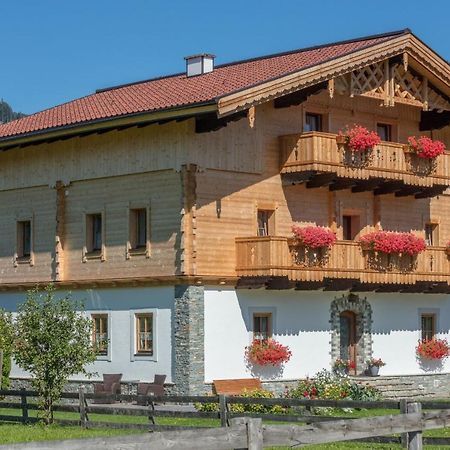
point(313, 153)
point(274, 256)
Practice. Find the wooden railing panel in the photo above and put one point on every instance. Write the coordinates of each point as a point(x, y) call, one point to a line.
point(320, 152)
point(282, 256)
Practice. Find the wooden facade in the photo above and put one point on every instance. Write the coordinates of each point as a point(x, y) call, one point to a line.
point(202, 191)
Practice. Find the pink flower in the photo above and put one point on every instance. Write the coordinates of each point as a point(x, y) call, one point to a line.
point(391, 242)
point(360, 139)
point(314, 237)
point(425, 147)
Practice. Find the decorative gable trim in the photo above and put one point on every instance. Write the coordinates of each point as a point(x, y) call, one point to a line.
point(420, 57)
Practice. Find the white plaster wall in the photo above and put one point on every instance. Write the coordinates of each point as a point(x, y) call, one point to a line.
point(396, 329)
point(118, 302)
point(301, 321)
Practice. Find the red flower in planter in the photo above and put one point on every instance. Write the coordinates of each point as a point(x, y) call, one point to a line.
point(314, 237)
point(433, 349)
point(360, 139)
point(426, 148)
point(391, 242)
point(267, 352)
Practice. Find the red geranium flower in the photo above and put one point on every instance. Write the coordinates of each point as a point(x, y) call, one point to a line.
point(360, 139)
point(314, 237)
point(426, 148)
point(433, 349)
point(267, 352)
point(391, 242)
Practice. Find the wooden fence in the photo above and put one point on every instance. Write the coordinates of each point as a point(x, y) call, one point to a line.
point(308, 428)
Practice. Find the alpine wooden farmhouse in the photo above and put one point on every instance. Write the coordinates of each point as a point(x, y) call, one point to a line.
point(168, 205)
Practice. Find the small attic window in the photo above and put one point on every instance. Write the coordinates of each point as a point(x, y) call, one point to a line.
point(199, 64)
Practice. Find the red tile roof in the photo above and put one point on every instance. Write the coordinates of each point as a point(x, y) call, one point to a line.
point(179, 90)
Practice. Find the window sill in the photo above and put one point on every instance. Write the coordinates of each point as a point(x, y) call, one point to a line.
point(140, 251)
point(23, 260)
point(93, 255)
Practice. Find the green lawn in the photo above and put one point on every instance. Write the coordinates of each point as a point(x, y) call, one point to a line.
point(11, 433)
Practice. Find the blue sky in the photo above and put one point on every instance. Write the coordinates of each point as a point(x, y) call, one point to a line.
point(53, 51)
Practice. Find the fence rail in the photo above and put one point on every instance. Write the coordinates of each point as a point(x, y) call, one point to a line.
point(407, 417)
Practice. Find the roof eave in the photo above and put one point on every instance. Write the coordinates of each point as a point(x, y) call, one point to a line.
point(109, 123)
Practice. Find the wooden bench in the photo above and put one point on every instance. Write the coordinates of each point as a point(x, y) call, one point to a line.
point(236, 386)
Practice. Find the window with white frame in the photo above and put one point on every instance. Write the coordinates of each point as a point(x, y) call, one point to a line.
point(100, 333)
point(144, 333)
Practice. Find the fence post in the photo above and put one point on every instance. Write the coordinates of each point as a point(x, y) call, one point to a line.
point(404, 410)
point(82, 406)
point(24, 405)
point(415, 437)
point(223, 410)
point(254, 434)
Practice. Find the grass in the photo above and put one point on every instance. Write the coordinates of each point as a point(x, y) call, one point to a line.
point(12, 433)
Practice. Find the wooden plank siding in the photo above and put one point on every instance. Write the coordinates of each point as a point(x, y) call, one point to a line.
point(203, 191)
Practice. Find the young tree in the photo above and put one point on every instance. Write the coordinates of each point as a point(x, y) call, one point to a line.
point(6, 344)
point(52, 342)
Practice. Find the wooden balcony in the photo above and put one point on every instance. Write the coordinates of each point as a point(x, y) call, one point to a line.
point(316, 159)
point(344, 267)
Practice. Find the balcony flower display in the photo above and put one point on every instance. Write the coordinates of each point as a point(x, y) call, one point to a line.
point(267, 352)
point(391, 242)
point(425, 148)
point(314, 237)
point(358, 138)
point(433, 349)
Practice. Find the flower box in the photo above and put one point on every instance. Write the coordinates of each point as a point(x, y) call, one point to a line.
point(433, 349)
point(267, 352)
point(424, 147)
point(358, 138)
point(390, 242)
point(314, 237)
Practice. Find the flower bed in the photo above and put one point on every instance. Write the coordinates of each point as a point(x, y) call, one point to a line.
point(425, 148)
point(359, 138)
point(314, 237)
point(267, 352)
point(433, 349)
point(390, 242)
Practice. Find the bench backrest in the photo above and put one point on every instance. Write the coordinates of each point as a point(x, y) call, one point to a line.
point(236, 386)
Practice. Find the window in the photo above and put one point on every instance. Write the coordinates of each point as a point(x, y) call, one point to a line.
point(384, 131)
point(24, 239)
point(266, 224)
point(262, 325)
point(144, 334)
point(350, 227)
point(100, 333)
point(94, 233)
point(138, 228)
point(428, 326)
point(313, 122)
point(432, 234)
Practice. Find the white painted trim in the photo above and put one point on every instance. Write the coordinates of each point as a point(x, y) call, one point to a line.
point(133, 355)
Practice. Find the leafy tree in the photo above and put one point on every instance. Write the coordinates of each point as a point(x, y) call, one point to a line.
point(52, 342)
point(7, 114)
point(6, 344)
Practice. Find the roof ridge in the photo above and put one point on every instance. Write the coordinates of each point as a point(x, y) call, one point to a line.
point(258, 58)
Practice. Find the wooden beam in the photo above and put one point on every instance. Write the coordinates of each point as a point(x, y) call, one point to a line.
point(323, 179)
point(339, 284)
point(280, 283)
point(252, 282)
point(433, 120)
point(308, 285)
point(389, 187)
point(367, 185)
point(409, 190)
point(342, 183)
point(293, 178)
point(210, 122)
point(431, 192)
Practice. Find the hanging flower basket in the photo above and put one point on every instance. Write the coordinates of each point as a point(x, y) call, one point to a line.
point(391, 242)
point(424, 147)
point(433, 349)
point(267, 352)
point(314, 237)
point(358, 138)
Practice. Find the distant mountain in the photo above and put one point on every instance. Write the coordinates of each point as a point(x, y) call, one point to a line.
point(7, 114)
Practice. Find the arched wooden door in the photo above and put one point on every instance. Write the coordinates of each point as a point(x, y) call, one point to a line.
point(348, 337)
